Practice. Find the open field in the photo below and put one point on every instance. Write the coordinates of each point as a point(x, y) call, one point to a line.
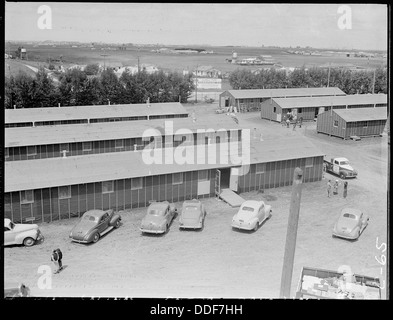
point(218, 261)
point(180, 62)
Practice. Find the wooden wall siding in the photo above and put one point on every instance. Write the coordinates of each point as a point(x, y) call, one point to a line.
point(267, 110)
point(226, 95)
point(306, 114)
point(83, 121)
point(325, 124)
point(346, 129)
point(373, 128)
point(48, 207)
point(280, 174)
point(76, 148)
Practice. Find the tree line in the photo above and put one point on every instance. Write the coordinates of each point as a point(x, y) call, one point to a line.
point(350, 82)
point(90, 87)
point(86, 87)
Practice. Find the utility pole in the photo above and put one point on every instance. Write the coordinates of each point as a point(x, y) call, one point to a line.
point(290, 244)
point(104, 55)
point(196, 84)
point(138, 61)
point(328, 76)
point(374, 83)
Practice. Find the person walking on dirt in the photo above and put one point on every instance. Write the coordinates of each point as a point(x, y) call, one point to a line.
point(300, 122)
point(329, 188)
point(345, 189)
point(335, 187)
point(56, 258)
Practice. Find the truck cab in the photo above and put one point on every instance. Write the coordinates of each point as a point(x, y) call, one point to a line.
point(341, 167)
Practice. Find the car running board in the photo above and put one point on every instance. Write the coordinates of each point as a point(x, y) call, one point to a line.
point(106, 231)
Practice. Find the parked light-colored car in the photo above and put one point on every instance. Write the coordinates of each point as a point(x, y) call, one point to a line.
point(251, 215)
point(94, 224)
point(21, 233)
point(350, 224)
point(192, 215)
point(158, 217)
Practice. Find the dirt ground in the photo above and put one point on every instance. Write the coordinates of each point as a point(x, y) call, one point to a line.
point(219, 262)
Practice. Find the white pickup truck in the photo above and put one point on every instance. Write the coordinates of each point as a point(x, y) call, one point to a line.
point(340, 167)
point(26, 234)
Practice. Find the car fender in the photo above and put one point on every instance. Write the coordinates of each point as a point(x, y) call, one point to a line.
point(253, 221)
point(355, 230)
point(90, 234)
point(25, 234)
point(268, 208)
point(114, 219)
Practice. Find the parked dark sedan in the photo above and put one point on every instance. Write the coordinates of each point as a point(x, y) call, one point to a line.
point(158, 217)
point(192, 215)
point(94, 224)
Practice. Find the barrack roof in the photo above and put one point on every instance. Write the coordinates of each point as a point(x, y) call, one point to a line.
point(285, 92)
point(362, 114)
point(44, 135)
point(93, 112)
point(54, 172)
point(353, 99)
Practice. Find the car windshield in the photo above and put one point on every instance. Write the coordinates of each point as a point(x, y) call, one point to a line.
point(349, 216)
point(89, 218)
point(344, 163)
point(248, 209)
point(156, 212)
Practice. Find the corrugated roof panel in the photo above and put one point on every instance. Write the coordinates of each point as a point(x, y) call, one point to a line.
point(362, 114)
point(43, 135)
point(284, 92)
point(36, 174)
point(307, 102)
point(92, 112)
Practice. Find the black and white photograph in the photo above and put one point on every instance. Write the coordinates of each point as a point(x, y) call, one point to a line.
point(196, 151)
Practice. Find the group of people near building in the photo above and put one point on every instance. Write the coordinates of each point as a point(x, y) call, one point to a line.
point(290, 118)
point(335, 186)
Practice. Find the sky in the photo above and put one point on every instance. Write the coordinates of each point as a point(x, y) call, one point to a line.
point(218, 24)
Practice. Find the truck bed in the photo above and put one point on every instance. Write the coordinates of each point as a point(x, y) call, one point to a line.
point(326, 284)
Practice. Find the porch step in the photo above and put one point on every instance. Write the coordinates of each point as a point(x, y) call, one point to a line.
point(230, 197)
point(356, 138)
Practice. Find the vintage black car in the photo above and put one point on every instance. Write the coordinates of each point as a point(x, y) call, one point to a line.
point(94, 224)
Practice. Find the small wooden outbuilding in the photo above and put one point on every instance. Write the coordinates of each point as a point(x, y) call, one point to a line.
point(345, 123)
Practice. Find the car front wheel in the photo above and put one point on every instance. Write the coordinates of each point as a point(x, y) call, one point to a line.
point(28, 242)
point(117, 225)
point(342, 176)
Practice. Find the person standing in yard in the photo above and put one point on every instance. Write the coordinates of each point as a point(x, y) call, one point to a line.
point(300, 122)
point(56, 258)
point(345, 189)
point(335, 187)
point(329, 188)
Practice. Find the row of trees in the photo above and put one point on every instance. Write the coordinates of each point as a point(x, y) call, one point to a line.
point(76, 87)
point(351, 82)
